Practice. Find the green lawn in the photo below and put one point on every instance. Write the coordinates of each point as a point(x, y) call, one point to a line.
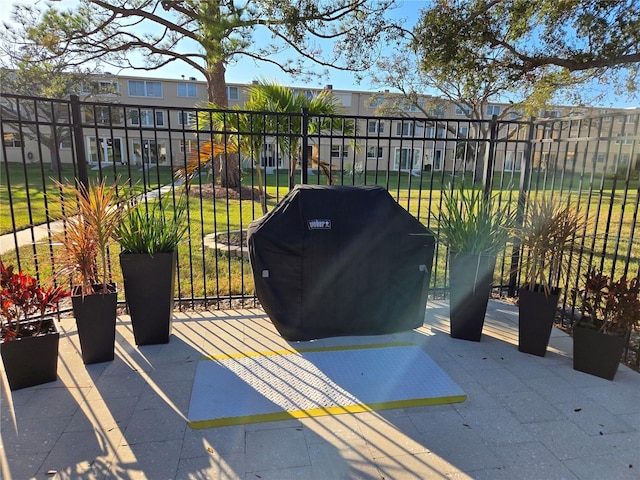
point(206, 273)
point(23, 189)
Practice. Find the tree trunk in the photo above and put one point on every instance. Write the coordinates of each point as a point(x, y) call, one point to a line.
point(216, 86)
point(54, 151)
point(229, 173)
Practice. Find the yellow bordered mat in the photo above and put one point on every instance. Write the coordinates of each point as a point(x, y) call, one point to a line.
point(266, 386)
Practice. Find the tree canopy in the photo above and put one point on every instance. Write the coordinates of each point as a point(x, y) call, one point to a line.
point(28, 69)
point(207, 35)
point(549, 43)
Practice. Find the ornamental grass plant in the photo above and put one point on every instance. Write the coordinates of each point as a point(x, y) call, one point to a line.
point(91, 216)
point(548, 233)
point(147, 228)
point(472, 222)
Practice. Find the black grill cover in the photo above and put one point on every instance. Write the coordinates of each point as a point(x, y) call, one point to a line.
point(337, 260)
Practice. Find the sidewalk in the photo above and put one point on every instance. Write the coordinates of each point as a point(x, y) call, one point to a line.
point(525, 417)
point(28, 236)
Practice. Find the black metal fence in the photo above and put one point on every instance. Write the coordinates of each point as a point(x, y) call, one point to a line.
point(589, 161)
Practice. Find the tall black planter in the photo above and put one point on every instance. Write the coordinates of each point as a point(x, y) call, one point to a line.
point(597, 353)
point(31, 361)
point(96, 320)
point(149, 287)
point(470, 279)
point(537, 312)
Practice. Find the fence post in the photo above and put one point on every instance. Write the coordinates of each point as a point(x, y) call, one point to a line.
point(305, 144)
point(525, 174)
point(81, 155)
point(489, 159)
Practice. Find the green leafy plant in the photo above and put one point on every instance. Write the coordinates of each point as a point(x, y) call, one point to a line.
point(471, 222)
point(548, 232)
point(611, 307)
point(24, 303)
point(146, 228)
point(91, 218)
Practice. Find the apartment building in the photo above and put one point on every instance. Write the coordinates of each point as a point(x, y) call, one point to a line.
point(142, 121)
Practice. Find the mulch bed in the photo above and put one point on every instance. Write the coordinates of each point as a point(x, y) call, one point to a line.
point(242, 193)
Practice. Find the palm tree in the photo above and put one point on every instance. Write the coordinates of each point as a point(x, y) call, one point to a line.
point(271, 110)
point(288, 107)
point(245, 135)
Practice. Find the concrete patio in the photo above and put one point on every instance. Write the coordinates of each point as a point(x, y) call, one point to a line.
point(525, 417)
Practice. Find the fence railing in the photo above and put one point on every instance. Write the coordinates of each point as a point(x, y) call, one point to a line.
point(591, 162)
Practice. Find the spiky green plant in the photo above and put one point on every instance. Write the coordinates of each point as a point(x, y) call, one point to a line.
point(471, 222)
point(147, 228)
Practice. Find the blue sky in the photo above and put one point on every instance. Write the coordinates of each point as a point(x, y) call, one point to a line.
point(246, 70)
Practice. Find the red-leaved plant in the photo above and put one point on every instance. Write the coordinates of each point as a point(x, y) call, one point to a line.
point(611, 307)
point(24, 304)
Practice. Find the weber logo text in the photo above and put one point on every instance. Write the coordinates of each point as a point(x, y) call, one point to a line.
point(318, 224)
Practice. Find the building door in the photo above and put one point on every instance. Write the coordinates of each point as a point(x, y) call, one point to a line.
point(104, 150)
point(407, 159)
point(149, 151)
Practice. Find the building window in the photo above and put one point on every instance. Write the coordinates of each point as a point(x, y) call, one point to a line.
point(186, 119)
point(102, 115)
point(463, 110)
point(149, 151)
point(269, 157)
point(376, 101)
point(493, 110)
point(550, 114)
point(437, 111)
point(188, 90)
point(12, 140)
point(513, 161)
point(66, 143)
point(408, 129)
point(104, 149)
point(308, 94)
point(625, 142)
point(375, 126)
point(345, 98)
point(338, 151)
point(143, 88)
point(434, 158)
point(621, 161)
point(407, 158)
point(409, 107)
point(375, 152)
point(233, 93)
point(100, 87)
point(188, 146)
point(145, 118)
point(463, 132)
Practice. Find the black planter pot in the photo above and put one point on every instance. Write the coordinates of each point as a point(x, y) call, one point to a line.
point(470, 278)
point(149, 287)
point(537, 312)
point(596, 353)
point(96, 320)
point(32, 361)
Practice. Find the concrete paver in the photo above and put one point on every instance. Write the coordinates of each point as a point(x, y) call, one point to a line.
point(525, 417)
